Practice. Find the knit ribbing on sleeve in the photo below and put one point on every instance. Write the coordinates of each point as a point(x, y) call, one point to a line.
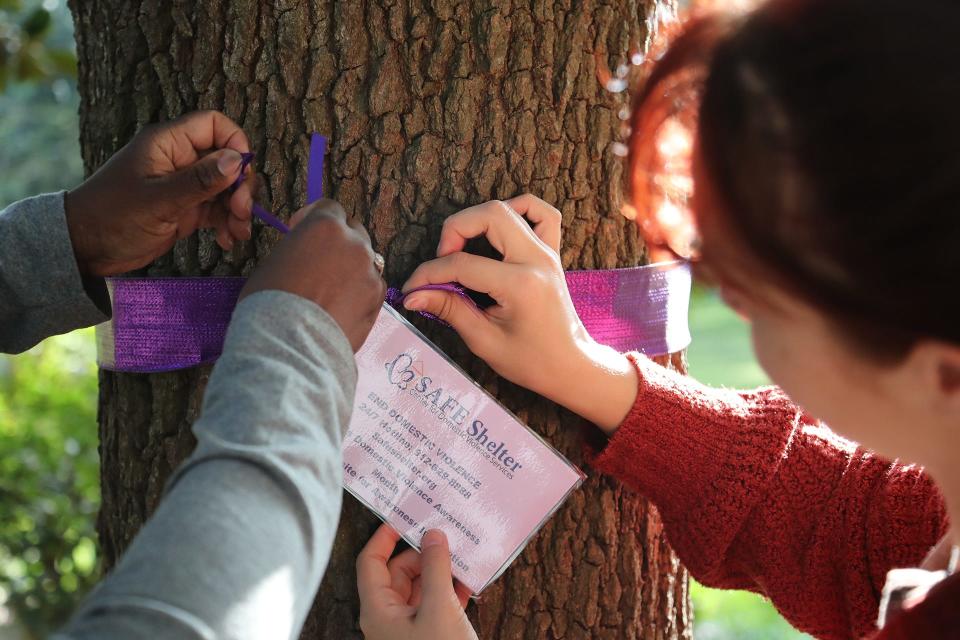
point(692, 449)
point(756, 495)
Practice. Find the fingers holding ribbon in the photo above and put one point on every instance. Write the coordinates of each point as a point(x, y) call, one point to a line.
point(534, 319)
point(198, 162)
point(529, 275)
point(474, 272)
point(485, 275)
point(170, 180)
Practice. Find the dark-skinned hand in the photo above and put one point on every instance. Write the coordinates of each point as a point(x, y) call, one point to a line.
point(170, 180)
point(326, 258)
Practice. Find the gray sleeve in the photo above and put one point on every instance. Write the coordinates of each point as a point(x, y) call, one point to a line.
point(41, 291)
point(238, 545)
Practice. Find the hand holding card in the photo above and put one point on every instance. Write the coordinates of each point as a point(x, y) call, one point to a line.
point(428, 448)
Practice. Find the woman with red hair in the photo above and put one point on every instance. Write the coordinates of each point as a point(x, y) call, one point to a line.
point(825, 171)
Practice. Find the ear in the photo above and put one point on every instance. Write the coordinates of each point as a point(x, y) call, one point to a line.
point(936, 366)
point(950, 374)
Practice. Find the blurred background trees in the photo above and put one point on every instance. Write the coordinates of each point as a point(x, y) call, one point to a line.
point(39, 150)
point(49, 486)
point(33, 45)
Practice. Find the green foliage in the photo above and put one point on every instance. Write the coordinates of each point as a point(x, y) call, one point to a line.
point(49, 486)
point(39, 128)
point(31, 49)
point(721, 354)
point(39, 148)
point(49, 468)
point(737, 615)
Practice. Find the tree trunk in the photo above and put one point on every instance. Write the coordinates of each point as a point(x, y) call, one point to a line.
point(431, 106)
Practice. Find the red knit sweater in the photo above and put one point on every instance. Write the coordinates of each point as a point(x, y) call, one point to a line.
point(756, 495)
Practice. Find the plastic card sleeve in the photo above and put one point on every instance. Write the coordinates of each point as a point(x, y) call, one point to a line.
point(428, 448)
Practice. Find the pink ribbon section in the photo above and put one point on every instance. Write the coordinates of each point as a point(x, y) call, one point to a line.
point(641, 309)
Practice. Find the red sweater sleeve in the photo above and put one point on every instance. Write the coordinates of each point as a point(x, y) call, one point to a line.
point(755, 495)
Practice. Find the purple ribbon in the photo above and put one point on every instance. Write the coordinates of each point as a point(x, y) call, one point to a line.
point(265, 216)
point(395, 298)
point(163, 324)
point(318, 149)
point(639, 309)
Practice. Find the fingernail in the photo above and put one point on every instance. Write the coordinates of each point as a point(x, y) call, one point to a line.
point(433, 538)
point(229, 162)
point(415, 303)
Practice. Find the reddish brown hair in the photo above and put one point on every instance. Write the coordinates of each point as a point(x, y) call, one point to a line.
point(829, 135)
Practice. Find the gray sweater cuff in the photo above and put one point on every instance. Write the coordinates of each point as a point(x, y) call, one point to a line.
point(41, 290)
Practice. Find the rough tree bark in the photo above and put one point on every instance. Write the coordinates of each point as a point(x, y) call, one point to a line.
point(431, 105)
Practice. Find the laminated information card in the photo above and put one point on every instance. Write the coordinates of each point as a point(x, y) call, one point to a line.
point(428, 448)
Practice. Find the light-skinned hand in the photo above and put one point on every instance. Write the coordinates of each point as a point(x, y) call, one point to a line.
point(532, 335)
point(413, 595)
point(170, 180)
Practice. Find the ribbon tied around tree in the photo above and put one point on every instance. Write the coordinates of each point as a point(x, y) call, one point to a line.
point(165, 324)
